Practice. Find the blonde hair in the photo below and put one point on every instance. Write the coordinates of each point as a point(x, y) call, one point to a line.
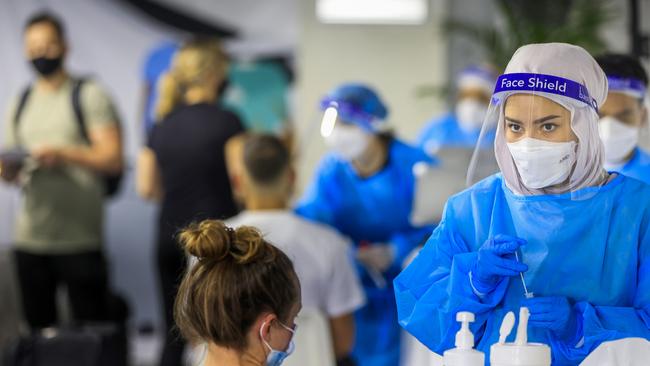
point(191, 64)
point(238, 276)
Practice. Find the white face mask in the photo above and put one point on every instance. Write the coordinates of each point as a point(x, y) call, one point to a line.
point(470, 114)
point(618, 139)
point(348, 141)
point(543, 163)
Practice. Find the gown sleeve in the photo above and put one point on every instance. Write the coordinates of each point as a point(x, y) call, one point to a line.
point(406, 242)
point(435, 286)
point(316, 203)
point(600, 324)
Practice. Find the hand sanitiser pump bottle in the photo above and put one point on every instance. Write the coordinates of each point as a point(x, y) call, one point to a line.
point(464, 354)
point(519, 353)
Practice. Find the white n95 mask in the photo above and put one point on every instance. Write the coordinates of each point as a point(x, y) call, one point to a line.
point(348, 141)
point(543, 163)
point(470, 114)
point(618, 139)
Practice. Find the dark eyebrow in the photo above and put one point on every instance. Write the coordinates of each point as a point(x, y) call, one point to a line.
point(544, 119)
point(537, 121)
point(513, 120)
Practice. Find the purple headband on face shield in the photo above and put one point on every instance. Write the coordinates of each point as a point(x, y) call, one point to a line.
point(544, 83)
point(478, 72)
point(634, 87)
point(352, 114)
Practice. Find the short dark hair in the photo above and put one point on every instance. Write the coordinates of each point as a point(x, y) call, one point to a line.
point(623, 66)
point(46, 17)
point(265, 157)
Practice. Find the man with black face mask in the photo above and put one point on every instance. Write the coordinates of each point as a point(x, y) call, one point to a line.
point(70, 141)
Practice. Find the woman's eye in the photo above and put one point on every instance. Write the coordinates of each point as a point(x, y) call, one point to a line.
point(549, 127)
point(514, 127)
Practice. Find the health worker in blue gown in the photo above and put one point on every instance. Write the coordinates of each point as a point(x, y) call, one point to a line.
point(624, 115)
point(365, 188)
point(460, 128)
point(579, 235)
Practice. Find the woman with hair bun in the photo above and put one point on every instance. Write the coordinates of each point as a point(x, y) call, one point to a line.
point(241, 298)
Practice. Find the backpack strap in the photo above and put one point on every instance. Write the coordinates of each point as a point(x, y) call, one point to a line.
point(20, 107)
point(76, 106)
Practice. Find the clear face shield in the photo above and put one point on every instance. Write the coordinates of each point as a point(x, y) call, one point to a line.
point(348, 139)
point(546, 136)
point(644, 133)
point(623, 121)
point(329, 131)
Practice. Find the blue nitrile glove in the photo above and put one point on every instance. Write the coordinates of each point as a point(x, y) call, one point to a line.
point(556, 314)
point(495, 261)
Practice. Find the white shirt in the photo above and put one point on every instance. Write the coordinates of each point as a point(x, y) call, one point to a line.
point(320, 256)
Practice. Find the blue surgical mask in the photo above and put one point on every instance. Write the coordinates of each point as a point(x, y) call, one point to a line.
point(275, 357)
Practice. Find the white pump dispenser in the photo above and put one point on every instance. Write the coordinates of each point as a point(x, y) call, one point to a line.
point(464, 354)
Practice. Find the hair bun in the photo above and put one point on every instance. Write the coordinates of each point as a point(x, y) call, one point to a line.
point(250, 246)
point(212, 239)
point(208, 239)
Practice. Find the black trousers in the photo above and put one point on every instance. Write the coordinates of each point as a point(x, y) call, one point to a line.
point(84, 274)
point(171, 267)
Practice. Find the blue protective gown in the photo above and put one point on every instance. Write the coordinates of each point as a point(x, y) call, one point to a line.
point(444, 132)
point(371, 210)
point(595, 252)
point(638, 167)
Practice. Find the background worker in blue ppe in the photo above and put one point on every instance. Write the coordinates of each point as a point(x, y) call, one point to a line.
point(624, 115)
point(579, 235)
point(365, 188)
point(460, 128)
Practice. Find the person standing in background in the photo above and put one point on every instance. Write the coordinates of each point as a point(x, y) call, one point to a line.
point(69, 129)
point(366, 189)
point(183, 164)
point(322, 257)
point(461, 128)
point(623, 115)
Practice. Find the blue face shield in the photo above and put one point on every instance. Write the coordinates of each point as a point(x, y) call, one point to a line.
point(275, 357)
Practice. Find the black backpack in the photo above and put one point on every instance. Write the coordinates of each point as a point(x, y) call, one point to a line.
point(112, 181)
